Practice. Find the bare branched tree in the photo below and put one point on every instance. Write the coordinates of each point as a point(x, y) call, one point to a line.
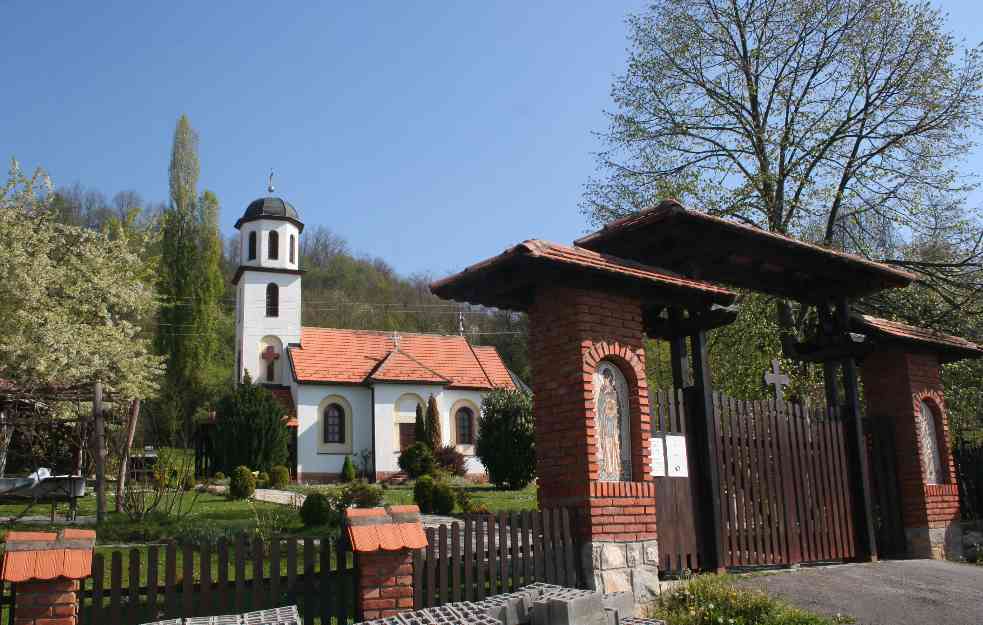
point(839, 121)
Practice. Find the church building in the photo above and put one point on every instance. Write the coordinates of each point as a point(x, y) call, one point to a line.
point(347, 392)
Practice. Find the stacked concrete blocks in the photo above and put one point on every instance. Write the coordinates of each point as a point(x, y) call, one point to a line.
point(277, 616)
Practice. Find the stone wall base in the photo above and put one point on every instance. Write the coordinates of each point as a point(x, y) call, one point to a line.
point(623, 567)
point(937, 543)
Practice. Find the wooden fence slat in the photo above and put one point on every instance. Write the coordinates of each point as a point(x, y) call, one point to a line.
point(98, 574)
point(851, 542)
point(133, 583)
point(431, 596)
point(240, 573)
point(790, 546)
point(153, 561)
point(442, 564)
point(819, 474)
point(740, 443)
point(292, 589)
point(777, 486)
point(727, 480)
point(831, 512)
point(528, 575)
point(481, 562)
point(558, 548)
point(539, 564)
point(456, 562)
point(115, 588)
point(493, 578)
point(205, 577)
point(340, 586)
point(798, 429)
point(256, 590)
point(275, 562)
point(548, 547)
point(170, 582)
point(418, 576)
point(187, 581)
point(771, 519)
point(325, 590)
point(223, 598)
point(503, 551)
point(568, 550)
point(309, 608)
point(469, 559)
point(515, 553)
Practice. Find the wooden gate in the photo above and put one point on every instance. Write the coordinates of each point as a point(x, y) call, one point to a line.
point(675, 495)
point(784, 484)
point(879, 434)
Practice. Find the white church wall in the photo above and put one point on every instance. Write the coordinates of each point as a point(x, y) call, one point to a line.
point(387, 414)
point(316, 461)
point(256, 325)
point(262, 228)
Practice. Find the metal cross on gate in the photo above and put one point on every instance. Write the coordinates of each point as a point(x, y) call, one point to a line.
point(776, 378)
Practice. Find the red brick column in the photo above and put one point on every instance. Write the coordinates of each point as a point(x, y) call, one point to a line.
point(384, 541)
point(53, 602)
point(571, 332)
point(895, 384)
point(46, 569)
point(385, 583)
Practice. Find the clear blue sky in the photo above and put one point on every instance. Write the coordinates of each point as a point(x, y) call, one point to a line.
point(431, 135)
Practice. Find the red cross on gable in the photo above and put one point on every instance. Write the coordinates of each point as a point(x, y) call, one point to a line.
point(269, 354)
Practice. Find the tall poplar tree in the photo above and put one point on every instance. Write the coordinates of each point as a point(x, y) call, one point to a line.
point(190, 287)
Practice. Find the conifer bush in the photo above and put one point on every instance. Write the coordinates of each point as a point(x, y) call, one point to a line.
point(242, 484)
point(423, 494)
point(506, 442)
point(279, 476)
point(348, 470)
point(434, 436)
point(249, 429)
point(316, 510)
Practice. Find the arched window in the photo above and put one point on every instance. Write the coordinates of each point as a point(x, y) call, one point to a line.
point(464, 422)
point(928, 444)
point(274, 246)
point(251, 252)
point(272, 300)
point(293, 247)
point(334, 424)
point(612, 423)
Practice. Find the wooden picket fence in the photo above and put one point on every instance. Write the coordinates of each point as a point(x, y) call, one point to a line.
point(168, 581)
point(492, 554)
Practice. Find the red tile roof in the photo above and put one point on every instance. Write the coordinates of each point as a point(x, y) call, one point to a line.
point(336, 356)
point(949, 347)
point(399, 366)
point(46, 555)
point(375, 529)
point(492, 363)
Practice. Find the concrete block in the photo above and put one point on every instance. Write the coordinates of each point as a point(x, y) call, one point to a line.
point(575, 609)
point(623, 603)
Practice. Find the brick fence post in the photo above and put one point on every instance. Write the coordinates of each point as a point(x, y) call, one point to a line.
point(47, 569)
point(384, 541)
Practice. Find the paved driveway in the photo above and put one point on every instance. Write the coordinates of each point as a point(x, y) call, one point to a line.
point(922, 592)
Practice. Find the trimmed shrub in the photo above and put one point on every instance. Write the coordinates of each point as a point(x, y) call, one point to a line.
point(348, 470)
point(423, 494)
point(242, 484)
point(443, 497)
point(361, 494)
point(219, 476)
point(279, 476)
point(263, 480)
point(417, 460)
point(317, 510)
point(506, 442)
point(451, 460)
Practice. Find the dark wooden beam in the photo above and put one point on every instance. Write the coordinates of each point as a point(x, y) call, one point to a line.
point(677, 353)
point(678, 326)
point(863, 508)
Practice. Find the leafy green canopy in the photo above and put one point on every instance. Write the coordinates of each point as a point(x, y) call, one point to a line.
point(249, 429)
point(72, 300)
point(506, 442)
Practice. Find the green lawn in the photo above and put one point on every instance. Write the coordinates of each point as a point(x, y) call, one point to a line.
point(481, 494)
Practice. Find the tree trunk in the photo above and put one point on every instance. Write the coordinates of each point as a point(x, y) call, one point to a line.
point(131, 430)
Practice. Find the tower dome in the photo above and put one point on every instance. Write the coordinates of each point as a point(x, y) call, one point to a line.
point(270, 208)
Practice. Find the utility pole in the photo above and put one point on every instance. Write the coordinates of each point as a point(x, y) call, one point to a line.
point(100, 436)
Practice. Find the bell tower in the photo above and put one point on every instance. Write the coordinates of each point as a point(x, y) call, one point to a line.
point(267, 289)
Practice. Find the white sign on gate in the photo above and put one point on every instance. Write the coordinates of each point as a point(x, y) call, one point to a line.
point(658, 448)
point(676, 456)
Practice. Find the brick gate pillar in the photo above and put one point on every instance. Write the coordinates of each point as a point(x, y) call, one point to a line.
point(906, 387)
point(384, 541)
point(571, 332)
point(46, 570)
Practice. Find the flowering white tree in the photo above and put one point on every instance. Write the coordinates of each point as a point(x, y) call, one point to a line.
point(71, 300)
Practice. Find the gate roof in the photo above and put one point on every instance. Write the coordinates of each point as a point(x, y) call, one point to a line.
point(949, 348)
point(509, 279)
point(712, 248)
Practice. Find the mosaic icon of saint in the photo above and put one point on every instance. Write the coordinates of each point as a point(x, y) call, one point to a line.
point(611, 410)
